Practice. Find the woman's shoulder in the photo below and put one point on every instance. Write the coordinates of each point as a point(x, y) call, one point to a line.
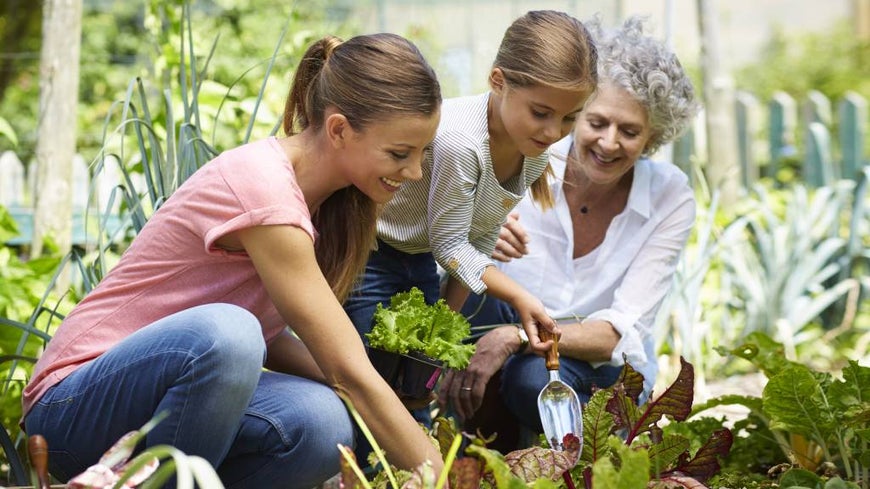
point(662, 172)
point(267, 149)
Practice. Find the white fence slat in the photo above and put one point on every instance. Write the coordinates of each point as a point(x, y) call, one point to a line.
point(11, 180)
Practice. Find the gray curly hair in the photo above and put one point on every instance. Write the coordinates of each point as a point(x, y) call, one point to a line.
point(646, 68)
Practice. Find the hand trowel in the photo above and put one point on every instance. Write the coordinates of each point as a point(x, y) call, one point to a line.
point(558, 404)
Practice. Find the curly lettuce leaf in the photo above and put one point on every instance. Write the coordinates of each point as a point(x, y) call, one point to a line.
point(409, 324)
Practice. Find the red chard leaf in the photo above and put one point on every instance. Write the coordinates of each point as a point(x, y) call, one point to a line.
point(465, 473)
point(531, 464)
point(597, 426)
point(572, 445)
point(632, 380)
point(675, 402)
point(623, 408)
point(705, 463)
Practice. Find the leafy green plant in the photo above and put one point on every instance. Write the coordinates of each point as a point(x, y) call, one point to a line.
point(784, 272)
point(686, 325)
point(409, 324)
point(818, 420)
point(27, 313)
point(624, 444)
point(155, 148)
point(623, 448)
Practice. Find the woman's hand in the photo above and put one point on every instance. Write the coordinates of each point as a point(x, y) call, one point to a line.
point(512, 240)
point(463, 389)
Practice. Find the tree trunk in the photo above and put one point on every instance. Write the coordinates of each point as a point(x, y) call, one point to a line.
point(861, 14)
point(722, 169)
point(56, 130)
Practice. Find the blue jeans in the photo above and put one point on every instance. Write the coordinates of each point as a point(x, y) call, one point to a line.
point(388, 272)
point(523, 376)
point(203, 366)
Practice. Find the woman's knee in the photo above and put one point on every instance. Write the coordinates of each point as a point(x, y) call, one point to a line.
point(232, 331)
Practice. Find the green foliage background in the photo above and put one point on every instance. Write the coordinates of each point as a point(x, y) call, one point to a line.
point(832, 61)
point(127, 40)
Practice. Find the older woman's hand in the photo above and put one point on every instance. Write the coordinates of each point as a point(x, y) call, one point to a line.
point(463, 389)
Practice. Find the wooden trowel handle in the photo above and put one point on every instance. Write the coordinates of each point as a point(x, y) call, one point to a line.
point(553, 353)
point(38, 451)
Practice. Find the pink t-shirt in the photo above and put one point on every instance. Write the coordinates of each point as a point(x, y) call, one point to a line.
point(173, 264)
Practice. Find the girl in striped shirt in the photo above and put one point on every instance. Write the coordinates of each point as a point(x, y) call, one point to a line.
point(488, 151)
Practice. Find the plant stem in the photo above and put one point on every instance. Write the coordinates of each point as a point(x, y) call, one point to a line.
point(568, 480)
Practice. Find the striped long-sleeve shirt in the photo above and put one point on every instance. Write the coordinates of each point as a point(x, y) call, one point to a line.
point(457, 208)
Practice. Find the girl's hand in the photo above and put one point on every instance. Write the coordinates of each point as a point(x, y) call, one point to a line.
point(512, 240)
point(535, 318)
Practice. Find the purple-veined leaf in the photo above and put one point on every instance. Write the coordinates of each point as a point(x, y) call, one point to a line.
point(705, 463)
point(530, 464)
point(675, 402)
point(631, 380)
point(624, 410)
point(666, 453)
point(597, 426)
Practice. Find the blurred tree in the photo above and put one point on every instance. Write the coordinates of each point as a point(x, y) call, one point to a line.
point(722, 169)
point(56, 134)
point(19, 36)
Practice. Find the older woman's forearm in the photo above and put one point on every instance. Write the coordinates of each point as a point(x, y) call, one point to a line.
point(592, 341)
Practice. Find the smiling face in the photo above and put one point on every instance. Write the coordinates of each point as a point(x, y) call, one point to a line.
point(379, 158)
point(610, 135)
point(532, 118)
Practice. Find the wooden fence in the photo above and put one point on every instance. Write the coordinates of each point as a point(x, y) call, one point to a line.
point(17, 187)
point(767, 136)
point(828, 146)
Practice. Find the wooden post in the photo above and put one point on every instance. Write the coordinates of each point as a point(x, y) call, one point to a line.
point(818, 163)
point(853, 128)
point(683, 151)
point(722, 168)
point(746, 107)
point(781, 131)
point(861, 15)
point(56, 132)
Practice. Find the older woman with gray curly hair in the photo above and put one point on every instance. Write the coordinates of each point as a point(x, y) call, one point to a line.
point(602, 260)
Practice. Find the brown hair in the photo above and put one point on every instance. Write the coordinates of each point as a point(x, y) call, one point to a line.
point(367, 78)
point(552, 49)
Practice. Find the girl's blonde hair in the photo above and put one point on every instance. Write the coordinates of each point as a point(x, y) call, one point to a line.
point(552, 49)
point(368, 78)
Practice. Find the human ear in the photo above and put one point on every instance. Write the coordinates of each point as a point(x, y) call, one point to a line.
point(337, 129)
point(496, 80)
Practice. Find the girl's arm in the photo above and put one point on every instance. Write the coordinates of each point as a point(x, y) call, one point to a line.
point(455, 294)
point(530, 309)
point(285, 261)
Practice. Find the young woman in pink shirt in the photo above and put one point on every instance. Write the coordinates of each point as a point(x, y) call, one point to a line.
point(225, 312)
